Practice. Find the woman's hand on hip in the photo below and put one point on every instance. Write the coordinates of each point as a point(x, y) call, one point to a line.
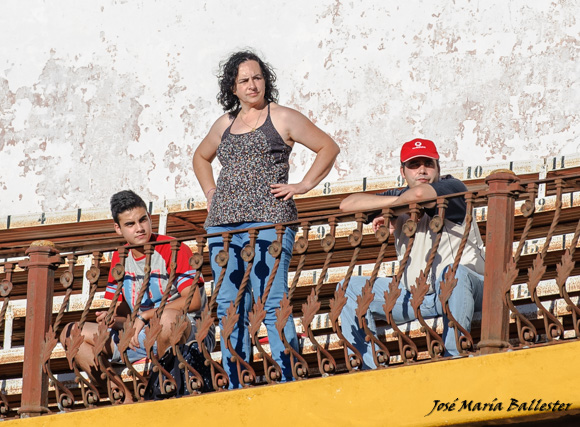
point(209, 197)
point(287, 191)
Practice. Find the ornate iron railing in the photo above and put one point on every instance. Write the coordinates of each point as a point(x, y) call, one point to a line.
point(529, 287)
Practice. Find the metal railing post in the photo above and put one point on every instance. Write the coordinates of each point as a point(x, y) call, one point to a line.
point(43, 260)
point(498, 252)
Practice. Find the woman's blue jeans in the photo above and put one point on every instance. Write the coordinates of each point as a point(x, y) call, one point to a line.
point(259, 275)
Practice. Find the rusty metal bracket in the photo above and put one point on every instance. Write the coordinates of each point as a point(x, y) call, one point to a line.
point(381, 357)
point(298, 364)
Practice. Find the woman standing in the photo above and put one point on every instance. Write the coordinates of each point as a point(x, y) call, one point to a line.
point(253, 141)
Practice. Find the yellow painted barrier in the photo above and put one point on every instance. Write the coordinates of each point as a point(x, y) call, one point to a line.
point(534, 383)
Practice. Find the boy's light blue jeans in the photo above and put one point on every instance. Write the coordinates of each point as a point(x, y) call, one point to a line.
point(466, 298)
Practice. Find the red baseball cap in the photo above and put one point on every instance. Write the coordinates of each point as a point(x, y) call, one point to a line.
point(418, 148)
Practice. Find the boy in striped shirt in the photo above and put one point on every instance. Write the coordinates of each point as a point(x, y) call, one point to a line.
point(133, 222)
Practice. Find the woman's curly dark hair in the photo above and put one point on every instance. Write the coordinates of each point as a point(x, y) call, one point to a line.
point(229, 72)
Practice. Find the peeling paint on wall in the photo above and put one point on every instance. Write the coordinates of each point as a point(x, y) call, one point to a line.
point(104, 95)
point(71, 133)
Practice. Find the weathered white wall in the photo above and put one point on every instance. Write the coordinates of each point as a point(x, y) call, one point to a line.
point(102, 95)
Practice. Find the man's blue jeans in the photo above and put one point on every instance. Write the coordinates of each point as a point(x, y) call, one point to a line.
point(466, 298)
point(260, 273)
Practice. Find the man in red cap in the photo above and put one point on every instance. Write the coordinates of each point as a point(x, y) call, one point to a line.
point(420, 168)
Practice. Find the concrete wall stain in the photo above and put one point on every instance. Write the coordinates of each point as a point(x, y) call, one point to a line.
point(72, 130)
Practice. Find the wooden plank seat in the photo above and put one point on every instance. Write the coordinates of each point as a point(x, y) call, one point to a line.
point(95, 231)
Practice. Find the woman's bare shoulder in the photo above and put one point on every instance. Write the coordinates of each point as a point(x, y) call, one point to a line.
point(216, 131)
point(285, 115)
point(223, 122)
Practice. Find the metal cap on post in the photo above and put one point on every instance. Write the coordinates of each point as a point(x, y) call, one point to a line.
point(498, 251)
point(43, 260)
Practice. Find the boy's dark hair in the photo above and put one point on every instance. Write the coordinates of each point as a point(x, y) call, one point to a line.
point(227, 79)
point(125, 200)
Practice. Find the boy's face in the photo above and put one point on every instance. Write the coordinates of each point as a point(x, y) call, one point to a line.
point(420, 170)
point(135, 226)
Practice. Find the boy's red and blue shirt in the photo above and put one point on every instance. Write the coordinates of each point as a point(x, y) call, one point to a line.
point(159, 278)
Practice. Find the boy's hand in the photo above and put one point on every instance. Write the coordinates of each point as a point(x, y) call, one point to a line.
point(138, 325)
point(377, 222)
point(101, 316)
point(116, 322)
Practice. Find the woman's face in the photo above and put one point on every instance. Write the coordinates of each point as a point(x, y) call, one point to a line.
point(250, 85)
